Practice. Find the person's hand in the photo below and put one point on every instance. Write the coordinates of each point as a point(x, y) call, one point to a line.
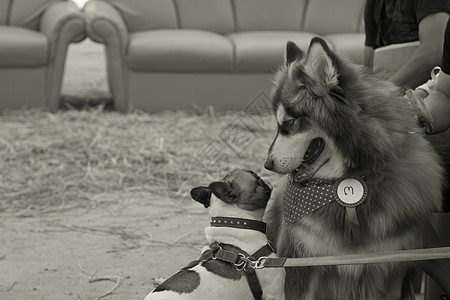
point(425, 89)
point(424, 117)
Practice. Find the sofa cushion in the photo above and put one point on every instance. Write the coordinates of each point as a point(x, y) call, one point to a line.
point(179, 50)
point(26, 13)
point(264, 51)
point(349, 45)
point(211, 15)
point(325, 16)
point(22, 47)
point(254, 15)
point(147, 14)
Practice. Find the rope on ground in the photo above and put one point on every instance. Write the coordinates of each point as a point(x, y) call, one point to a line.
point(95, 278)
point(11, 286)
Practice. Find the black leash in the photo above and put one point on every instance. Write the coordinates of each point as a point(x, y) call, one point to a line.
point(250, 273)
point(244, 262)
point(241, 260)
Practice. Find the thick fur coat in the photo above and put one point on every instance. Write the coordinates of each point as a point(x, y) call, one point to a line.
point(369, 130)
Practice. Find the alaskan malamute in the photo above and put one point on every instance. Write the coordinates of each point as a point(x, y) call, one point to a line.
point(336, 122)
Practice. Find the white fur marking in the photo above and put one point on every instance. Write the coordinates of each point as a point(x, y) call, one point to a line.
point(281, 113)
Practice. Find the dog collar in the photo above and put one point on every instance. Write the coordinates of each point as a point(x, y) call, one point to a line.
point(239, 223)
point(301, 199)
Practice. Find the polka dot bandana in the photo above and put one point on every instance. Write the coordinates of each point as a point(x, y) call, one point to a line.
point(301, 199)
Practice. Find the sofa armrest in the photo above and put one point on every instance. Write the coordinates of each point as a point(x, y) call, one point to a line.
point(62, 23)
point(63, 18)
point(104, 23)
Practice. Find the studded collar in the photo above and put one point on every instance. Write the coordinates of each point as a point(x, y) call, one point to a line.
point(239, 223)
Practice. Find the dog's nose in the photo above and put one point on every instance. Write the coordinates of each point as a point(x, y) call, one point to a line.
point(269, 164)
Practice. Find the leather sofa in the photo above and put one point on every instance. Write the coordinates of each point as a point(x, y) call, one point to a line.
point(34, 36)
point(165, 55)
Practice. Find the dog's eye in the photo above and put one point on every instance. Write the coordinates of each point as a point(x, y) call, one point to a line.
point(288, 123)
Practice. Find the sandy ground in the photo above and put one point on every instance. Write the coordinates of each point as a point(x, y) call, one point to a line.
point(129, 245)
point(56, 255)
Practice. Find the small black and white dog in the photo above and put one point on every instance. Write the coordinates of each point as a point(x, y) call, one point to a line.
point(236, 205)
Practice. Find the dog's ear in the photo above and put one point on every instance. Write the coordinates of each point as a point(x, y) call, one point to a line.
point(202, 194)
point(292, 53)
point(223, 191)
point(323, 62)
